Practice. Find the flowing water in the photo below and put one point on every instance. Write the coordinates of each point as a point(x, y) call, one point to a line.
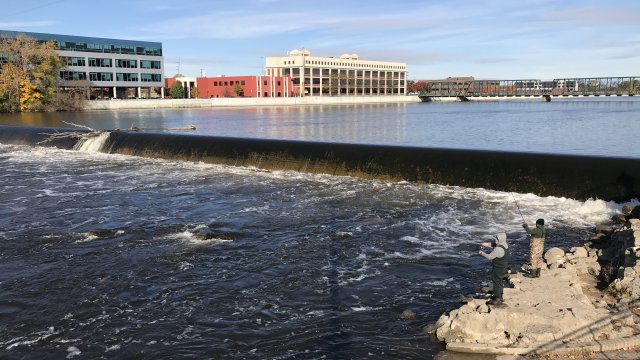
point(110, 256)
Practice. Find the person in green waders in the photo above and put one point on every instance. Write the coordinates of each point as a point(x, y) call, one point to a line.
point(536, 245)
point(499, 257)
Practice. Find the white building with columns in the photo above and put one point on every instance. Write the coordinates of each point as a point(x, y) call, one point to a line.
point(346, 75)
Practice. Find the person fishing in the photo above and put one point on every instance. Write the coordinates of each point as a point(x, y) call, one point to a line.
point(536, 246)
point(499, 257)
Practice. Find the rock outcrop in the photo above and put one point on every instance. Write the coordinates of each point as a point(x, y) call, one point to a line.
point(562, 311)
point(620, 250)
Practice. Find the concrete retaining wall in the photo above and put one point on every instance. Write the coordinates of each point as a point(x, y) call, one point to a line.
point(245, 102)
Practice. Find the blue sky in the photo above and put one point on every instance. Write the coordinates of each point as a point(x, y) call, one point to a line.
point(501, 39)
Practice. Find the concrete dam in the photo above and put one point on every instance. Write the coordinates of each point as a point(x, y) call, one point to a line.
point(571, 176)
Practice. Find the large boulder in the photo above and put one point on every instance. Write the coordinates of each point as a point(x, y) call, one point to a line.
point(579, 252)
point(554, 255)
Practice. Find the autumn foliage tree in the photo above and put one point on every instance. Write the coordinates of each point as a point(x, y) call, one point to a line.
point(195, 92)
point(29, 75)
point(419, 86)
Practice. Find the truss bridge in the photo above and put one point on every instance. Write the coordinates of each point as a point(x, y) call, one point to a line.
point(465, 88)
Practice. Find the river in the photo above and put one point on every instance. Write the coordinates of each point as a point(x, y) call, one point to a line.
point(112, 256)
point(591, 126)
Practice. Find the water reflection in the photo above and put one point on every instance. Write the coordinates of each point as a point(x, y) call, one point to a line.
point(590, 127)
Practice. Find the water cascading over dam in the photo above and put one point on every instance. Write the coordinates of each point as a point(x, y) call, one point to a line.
point(578, 177)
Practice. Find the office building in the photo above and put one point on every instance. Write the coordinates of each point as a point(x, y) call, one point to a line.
point(347, 75)
point(109, 68)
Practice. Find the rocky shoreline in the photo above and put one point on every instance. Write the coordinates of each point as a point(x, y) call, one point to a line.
point(584, 302)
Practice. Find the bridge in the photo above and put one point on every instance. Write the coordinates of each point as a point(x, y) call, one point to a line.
point(465, 88)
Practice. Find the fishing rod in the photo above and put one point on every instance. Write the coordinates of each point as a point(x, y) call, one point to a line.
point(518, 206)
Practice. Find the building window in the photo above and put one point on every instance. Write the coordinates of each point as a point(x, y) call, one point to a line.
point(149, 64)
point(73, 61)
point(107, 48)
point(265, 82)
point(278, 83)
point(73, 75)
point(128, 77)
point(100, 76)
point(150, 77)
point(242, 82)
point(99, 62)
point(215, 83)
point(126, 63)
point(266, 94)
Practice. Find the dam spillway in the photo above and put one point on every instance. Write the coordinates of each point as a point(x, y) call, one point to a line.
point(578, 177)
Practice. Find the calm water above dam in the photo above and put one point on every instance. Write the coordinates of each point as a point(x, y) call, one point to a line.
point(608, 126)
point(112, 256)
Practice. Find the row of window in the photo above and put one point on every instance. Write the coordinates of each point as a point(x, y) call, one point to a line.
point(356, 65)
point(353, 83)
point(113, 49)
point(105, 62)
point(335, 72)
point(107, 76)
point(228, 83)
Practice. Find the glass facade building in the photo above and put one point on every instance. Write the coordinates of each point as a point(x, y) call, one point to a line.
point(111, 68)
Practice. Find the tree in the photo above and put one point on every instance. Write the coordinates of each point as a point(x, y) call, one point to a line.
point(238, 90)
point(10, 79)
point(177, 91)
point(409, 85)
point(419, 86)
point(29, 74)
point(29, 96)
point(194, 92)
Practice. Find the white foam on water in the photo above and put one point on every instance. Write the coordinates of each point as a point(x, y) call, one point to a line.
point(443, 282)
point(253, 209)
point(87, 238)
point(184, 265)
point(419, 254)
point(92, 144)
point(113, 348)
point(411, 239)
point(73, 351)
point(467, 213)
point(38, 336)
point(191, 238)
point(364, 308)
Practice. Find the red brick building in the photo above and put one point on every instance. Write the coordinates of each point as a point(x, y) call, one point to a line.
point(237, 86)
